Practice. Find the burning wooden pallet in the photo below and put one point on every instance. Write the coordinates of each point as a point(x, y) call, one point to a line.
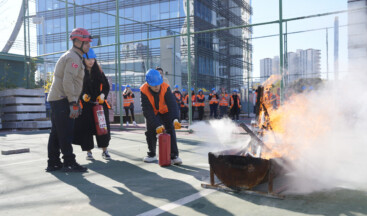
point(238, 170)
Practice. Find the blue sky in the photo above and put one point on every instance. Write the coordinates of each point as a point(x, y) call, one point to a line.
point(268, 10)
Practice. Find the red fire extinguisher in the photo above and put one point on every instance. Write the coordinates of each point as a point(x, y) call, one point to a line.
point(164, 140)
point(100, 120)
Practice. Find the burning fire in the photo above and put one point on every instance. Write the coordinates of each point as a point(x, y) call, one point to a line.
point(276, 124)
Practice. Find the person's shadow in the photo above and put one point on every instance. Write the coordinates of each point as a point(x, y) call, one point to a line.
point(140, 184)
point(103, 198)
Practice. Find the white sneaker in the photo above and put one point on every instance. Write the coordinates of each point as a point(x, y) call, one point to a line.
point(148, 159)
point(176, 161)
point(89, 156)
point(127, 124)
point(106, 155)
point(134, 123)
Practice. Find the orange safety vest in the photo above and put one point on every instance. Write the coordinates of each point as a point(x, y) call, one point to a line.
point(178, 95)
point(185, 101)
point(238, 102)
point(162, 103)
point(214, 99)
point(193, 100)
point(129, 100)
point(200, 104)
point(223, 100)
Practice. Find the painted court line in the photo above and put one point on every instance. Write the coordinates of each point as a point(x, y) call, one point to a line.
point(177, 203)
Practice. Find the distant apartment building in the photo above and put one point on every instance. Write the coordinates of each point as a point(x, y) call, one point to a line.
point(299, 64)
point(266, 68)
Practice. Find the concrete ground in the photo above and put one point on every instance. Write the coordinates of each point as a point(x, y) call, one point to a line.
point(128, 186)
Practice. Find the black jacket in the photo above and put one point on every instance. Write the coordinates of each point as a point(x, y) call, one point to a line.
point(85, 128)
point(153, 120)
point(200, 100)
point(235, 105)
point(177, 100)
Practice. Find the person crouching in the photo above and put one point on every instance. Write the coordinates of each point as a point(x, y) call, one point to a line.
point(160, 111)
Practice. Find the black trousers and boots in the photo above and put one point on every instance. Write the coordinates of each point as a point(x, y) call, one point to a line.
point(60, 138)
point(184, 111)
point(222, 111)
point(201, 112)
point(213, 110)
point(235, 113)
point(193, 112)
point(151, 136)
point(131, 108)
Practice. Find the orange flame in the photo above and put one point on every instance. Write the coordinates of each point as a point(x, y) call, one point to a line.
point(279, 131)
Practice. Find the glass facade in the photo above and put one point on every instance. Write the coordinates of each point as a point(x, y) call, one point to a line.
point(219, 59)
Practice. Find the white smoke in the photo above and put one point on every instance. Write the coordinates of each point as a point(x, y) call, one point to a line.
point(329, 137)
point(219, 135)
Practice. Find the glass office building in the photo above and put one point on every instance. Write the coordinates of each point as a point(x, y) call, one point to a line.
point(218, 59)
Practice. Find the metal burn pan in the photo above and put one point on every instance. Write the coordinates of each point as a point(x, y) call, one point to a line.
point(237, 171)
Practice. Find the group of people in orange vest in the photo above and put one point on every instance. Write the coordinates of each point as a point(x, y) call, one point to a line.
point(223, 100)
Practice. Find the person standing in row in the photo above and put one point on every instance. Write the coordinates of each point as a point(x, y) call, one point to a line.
point(65, 90)
point(129, 104)
point(193, 103)
point(184, 105)
point(160, 111)
point(213, 103)
point(95, 91)
point(178, 96)
point(235, 105)
point(223, 103)
point(200, 103)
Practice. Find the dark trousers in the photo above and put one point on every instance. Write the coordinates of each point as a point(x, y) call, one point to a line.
point(179, 110)
point(184, 111)
point(127, 113)
point(151, 135)
point(193, 112)
point(235, 113)
point(201, 112)
point(213, 110)
point(61, 133)
point(85, 129)
point(222, 111)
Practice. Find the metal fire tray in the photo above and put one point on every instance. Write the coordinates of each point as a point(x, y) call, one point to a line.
point(242, 173)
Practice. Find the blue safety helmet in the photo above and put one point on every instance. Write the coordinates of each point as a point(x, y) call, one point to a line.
point(153, 77)
point(192, 89)
point(200, 90)
point(235, 90)
point(183, 90)
point(213, 89)
point(304, 88)
point(90, 54)
point(127, 86)
point(176, 86)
